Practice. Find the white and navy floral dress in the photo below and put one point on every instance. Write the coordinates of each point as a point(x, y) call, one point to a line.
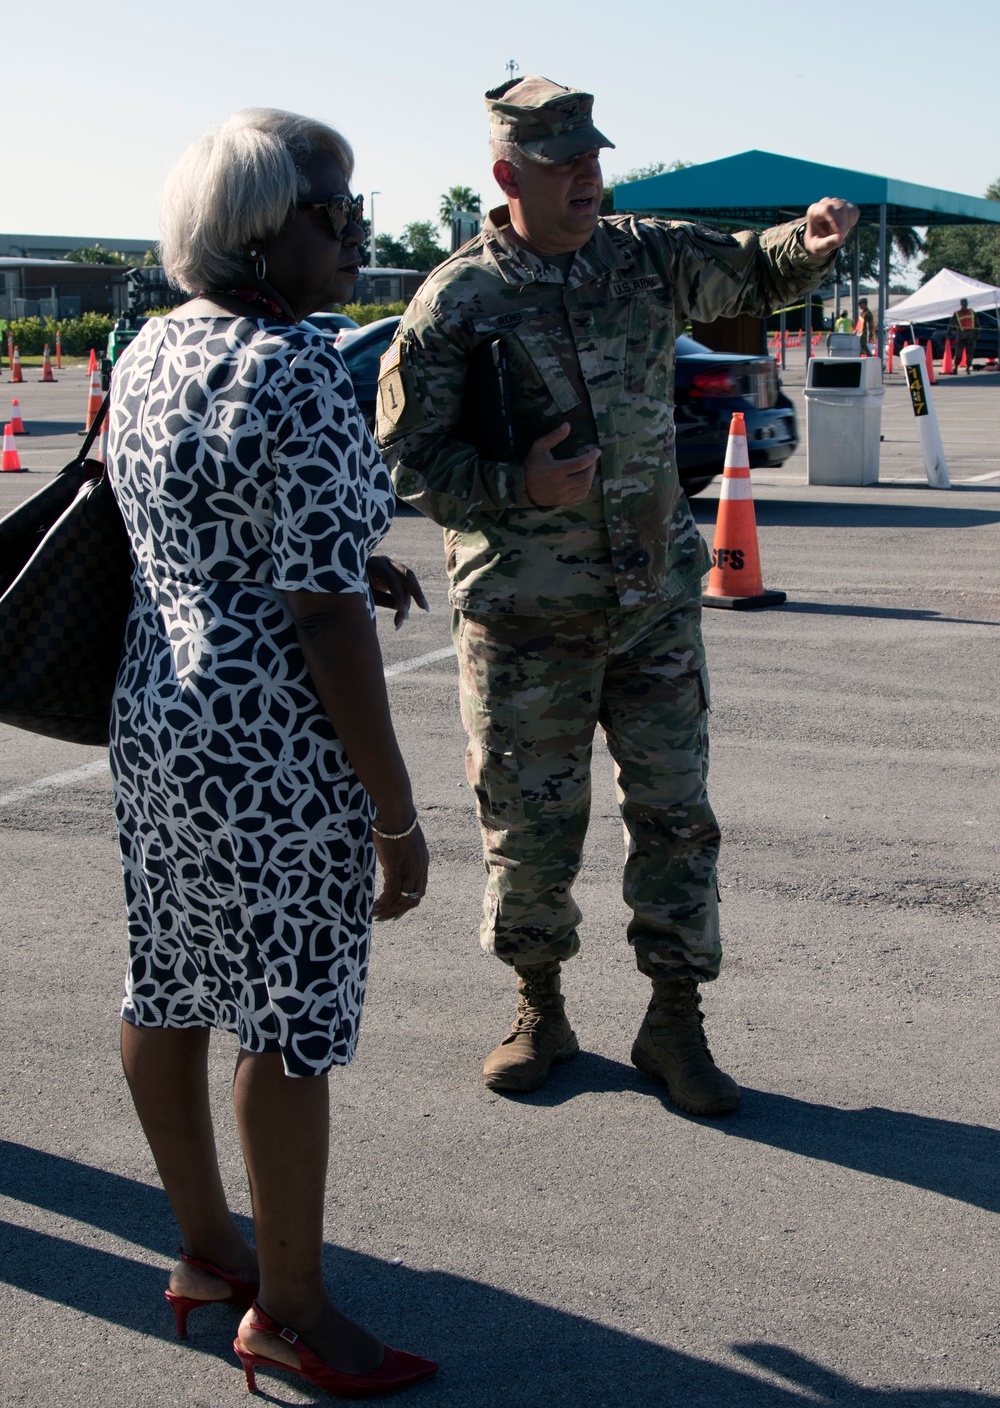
point(243, 468)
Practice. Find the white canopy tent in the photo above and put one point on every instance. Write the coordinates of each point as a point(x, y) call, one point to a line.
point(939, 298)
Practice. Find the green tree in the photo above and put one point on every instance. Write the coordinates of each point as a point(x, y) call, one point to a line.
point(420, 239)
point(637, 173)
point(417, 248)
point(97, 254)
point(152, 259)
point(904, 244)
point(455, 201)
point(973, 250)
point(391, 254)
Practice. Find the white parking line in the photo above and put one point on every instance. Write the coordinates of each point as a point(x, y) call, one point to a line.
point(417, 661)
point(58, 779)
point(67, 779)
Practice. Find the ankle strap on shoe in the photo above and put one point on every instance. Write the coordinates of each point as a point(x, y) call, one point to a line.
point(281, 1332)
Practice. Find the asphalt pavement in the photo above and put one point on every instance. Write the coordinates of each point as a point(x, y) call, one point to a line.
point(833, 1243)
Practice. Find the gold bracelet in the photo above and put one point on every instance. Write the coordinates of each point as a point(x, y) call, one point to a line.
point(396, 835)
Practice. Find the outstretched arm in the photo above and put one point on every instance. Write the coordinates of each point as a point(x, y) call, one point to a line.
point(717, 275)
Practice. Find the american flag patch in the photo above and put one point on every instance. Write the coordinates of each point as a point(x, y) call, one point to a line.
point(389, 358)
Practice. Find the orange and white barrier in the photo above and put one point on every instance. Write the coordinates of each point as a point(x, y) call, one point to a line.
point(15, 365)
point(735, 580)
point(94, 397)
point(11, 461)
point(47, 365)
point(102, 443)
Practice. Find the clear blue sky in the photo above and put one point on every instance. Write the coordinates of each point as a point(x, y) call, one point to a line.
point(100, 99)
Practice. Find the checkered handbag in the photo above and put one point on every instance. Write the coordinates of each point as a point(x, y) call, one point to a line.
point(66, 584)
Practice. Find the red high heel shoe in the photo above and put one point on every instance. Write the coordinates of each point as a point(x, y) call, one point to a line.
point(398, 1370)
point(241, 1293)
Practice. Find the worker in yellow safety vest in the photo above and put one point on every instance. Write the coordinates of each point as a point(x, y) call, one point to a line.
point(865, 326)
point(963, 328)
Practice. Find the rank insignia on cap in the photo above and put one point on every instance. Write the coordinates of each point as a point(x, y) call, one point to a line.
point(389, 358)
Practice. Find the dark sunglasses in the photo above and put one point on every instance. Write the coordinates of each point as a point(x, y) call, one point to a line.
point(342, 210)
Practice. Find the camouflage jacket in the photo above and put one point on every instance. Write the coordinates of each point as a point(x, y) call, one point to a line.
point(594, 348)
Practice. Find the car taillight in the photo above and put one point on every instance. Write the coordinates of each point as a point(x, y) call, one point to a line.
point(718, 382)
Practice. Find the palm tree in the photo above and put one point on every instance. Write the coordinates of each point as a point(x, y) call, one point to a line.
point(455, 201)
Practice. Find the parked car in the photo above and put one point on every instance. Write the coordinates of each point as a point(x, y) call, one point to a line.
point(936, 333)
point(709, 387)
point(362, 350)
point(331, 323)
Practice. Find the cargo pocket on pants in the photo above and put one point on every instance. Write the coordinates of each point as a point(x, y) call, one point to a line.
point(491, 760)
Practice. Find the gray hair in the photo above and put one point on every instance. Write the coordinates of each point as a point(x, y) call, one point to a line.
point(507, 151)
point(234, 185)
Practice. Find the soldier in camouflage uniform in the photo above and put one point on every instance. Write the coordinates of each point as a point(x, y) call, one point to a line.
point(576, 579)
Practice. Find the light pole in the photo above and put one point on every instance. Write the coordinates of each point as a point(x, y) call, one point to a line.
point(371, 224)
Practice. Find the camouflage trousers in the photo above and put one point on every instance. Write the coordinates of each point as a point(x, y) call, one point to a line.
point(533, 691)
point(965, 343)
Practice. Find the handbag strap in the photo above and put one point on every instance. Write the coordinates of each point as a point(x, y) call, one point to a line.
point(94, 431)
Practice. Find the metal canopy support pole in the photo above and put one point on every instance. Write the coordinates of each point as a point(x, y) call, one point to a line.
point(807, 325)
point(856, 274)
point(883, 282)
point(782, 316)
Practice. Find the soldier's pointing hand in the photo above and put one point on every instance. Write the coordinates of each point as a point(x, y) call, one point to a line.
point(550, 482)
point(828, 223)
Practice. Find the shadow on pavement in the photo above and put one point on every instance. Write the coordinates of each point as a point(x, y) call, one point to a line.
point(42, 429)
point(824, 513)
point(960, 1161)
point(484, 1338)
point(831, 1387)
point(885, 613)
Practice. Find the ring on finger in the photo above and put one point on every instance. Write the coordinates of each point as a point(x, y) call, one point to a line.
point(410, 894)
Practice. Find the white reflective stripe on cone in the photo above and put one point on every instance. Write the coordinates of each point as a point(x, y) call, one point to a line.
point(736, 489)
point(737, 455)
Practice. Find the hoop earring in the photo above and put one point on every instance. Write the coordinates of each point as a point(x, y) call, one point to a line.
point(260, 265)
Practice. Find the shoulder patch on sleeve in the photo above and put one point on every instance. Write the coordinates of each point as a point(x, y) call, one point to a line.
point(389, 358)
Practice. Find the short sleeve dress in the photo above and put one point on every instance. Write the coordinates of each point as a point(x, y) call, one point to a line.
point(243, 468)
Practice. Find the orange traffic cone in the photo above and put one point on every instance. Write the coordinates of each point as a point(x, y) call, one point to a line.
point(47, 365)
point(892, 339)
point(11, 462)
point(947, 361)
point(102, 443)
point(92, 364)
point(735, 579)
point(930, 362)
point(58, 350)
point(16, 423)
point(15, 366)
point(94, 398)
point(961, 364)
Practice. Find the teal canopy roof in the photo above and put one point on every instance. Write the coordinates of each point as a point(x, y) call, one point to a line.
point(761, 188)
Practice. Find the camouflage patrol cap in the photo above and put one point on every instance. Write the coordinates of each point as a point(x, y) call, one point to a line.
point(545, 121)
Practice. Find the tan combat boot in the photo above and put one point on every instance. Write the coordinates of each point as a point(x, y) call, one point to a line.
point(540, 1036)
point(671, 1046)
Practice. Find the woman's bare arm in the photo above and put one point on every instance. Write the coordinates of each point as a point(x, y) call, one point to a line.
point(342, 653)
